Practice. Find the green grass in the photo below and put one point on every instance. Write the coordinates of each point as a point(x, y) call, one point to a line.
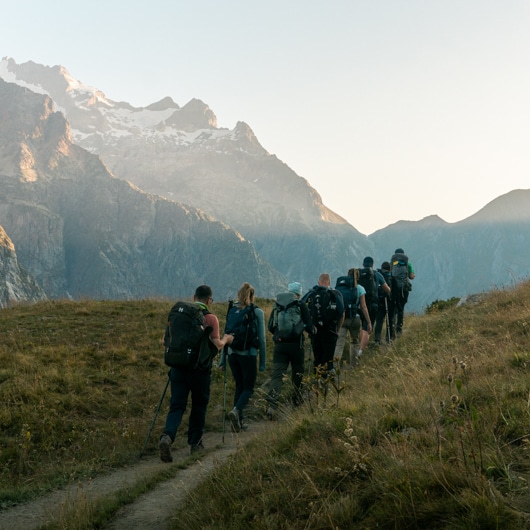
point(432, 432)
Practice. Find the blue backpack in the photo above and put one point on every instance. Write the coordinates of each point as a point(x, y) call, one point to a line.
point(243, 325)
point(350, 295)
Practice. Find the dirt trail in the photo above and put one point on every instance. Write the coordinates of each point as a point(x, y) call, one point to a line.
point(149, 511)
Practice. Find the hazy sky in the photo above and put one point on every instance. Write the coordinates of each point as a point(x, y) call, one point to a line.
point(391, 109)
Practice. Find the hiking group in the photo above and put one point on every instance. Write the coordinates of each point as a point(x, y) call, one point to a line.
point(363, 300)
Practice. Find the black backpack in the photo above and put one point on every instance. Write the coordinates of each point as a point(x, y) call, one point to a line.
point(367, 280)
point(350, 295)
point(387, 275)
point(323, 307)
point(187, 341)
point(286, 322)
point(243, 325)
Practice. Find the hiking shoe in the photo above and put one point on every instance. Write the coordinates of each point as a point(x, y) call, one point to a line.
point(233, 416)
point(271, 414)
point(165, 448)
point(197, 448)
point(244, 426)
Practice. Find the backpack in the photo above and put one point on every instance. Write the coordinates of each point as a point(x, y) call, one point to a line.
point(243, 325)
point(187, 341)
point(286, 321)
point(350, 295)
point(323, 307)
point(387, 275)
point(367, 280)
point(400, 270)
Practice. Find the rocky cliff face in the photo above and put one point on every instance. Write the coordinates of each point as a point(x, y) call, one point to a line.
point(83, 233)
point(16, 284)
point(180, 153)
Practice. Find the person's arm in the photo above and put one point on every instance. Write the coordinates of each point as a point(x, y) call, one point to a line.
point(212, 320)
point(412, 274)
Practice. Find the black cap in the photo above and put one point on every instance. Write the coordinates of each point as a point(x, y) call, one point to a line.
point(399, 251)
point(368, 261)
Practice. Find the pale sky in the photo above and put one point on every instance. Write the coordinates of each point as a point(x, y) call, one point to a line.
point(391, 109)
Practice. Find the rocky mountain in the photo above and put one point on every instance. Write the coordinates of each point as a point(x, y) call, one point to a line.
point(16, 284)
point(81, 232)
point(180, 153)
point(177, 156)
point(490, 249)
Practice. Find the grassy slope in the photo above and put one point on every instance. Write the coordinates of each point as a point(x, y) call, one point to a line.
point(432, 432)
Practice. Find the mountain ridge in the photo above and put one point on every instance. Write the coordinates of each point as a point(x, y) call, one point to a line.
point(229, 175)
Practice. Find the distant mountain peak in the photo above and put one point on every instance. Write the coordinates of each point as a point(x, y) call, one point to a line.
point(513, 206)
point(163, 104)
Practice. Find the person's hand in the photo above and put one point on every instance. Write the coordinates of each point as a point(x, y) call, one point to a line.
point(229, 339)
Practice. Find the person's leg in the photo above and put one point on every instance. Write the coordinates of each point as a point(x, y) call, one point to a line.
point(354, 338)
point(234, 360)
point(180, 388)
point(297, 374)
point(400, 308)
point(280, 363)
point(379, 320)
point(329, 343)
point(317, 343)
point(249, 370)
point(200, 396)
point(363, 343)
point(341, 340)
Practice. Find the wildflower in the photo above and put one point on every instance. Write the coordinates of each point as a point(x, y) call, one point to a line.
point(463, 365)
point(455, 399)
point(450, 378)
point(348, 432)
point(455, 360)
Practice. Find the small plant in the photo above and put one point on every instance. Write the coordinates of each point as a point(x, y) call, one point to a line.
point(442, 305)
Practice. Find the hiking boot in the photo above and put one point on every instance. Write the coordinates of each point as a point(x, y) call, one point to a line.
point(197, 448)
point(165, 448)
point(271, 414)
point(233, 416)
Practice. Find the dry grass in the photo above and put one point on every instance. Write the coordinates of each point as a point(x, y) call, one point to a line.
point(432, 432)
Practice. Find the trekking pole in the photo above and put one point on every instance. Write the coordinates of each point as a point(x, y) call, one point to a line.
point(154, 419)
point(387, 321)
point(225, 357)
point(224, 393)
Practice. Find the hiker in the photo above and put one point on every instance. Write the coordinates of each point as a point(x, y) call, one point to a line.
point(385, 310)
point(351, 325)
point(371, 280)
point(243, 356)
point(326, 308)
point(403, 272)
point(192, 380)
point(287, 322)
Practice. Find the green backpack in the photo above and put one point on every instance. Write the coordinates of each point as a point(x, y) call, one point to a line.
point(286, 321)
